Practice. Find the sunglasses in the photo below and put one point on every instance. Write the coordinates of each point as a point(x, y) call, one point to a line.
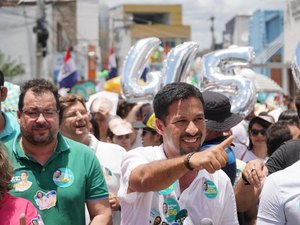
point(256, 132)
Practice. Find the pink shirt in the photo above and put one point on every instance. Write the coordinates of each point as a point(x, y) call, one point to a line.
point(11, 207)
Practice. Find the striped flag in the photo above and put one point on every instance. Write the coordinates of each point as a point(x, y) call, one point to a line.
point(68, 74)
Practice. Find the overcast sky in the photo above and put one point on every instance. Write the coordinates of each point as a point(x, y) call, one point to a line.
point(196, 13)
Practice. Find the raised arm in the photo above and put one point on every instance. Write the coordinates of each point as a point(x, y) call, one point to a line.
point(158, 175)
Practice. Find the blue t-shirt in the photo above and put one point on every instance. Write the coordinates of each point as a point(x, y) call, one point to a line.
point(11, 129)
point(230, 167)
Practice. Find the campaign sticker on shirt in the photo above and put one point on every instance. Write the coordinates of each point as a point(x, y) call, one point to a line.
point(155, 217)
point(37, 221)
point(181, 216)
point(210, 189)
point(21, 181)
point(170, 209)
point(63, 177)
point(169, 189)
point(107, 173)
point(45, 200)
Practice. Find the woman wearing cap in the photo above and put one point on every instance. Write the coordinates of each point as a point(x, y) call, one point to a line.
point(257, 138)
point(119, 132)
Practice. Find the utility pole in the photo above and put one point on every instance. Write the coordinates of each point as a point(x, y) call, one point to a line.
point(42, 35)
point(212, 30)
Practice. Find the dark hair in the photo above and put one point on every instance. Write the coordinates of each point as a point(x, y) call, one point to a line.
point(297, 102)
point(171, 93)
point(139, 112)
point(1, 78)
point(124, 108)
point(95, 128)
point(6, 170)
point(289, 115)
point(38, 86)
point(278, 133)
point(67, 101)
point(265, 124)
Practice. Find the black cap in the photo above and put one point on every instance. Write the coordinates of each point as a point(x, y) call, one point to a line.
point(217, 112)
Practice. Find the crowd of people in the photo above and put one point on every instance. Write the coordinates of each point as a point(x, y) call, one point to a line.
point(183, 159)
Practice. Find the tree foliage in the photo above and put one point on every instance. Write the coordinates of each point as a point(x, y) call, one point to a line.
point(9, 67)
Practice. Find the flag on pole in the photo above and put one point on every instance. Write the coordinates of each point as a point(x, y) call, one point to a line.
point(112, 64)
point(68, 74)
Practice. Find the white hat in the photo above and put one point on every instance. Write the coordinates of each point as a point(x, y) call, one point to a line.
point(119, 126)
point(102, 105)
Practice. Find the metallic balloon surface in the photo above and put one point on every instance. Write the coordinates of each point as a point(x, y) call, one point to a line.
point(215, 70)
point(178, 62)
point(296, 67)
point(134, 64)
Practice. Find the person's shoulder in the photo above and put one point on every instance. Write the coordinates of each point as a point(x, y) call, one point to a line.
point(76, 146)
point(149, 152)
point(111, 147)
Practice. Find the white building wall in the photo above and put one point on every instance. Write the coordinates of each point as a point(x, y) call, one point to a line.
point(87, 32)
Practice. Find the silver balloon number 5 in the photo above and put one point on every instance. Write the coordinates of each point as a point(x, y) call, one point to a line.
point(241, 91)
point(133, 67)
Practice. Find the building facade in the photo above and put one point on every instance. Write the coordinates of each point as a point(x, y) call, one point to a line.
point(129, 23)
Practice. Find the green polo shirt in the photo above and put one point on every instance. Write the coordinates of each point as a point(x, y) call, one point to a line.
point(60, 188)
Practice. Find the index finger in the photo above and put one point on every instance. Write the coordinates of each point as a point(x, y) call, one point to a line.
point(226, 142)
point(22, 219)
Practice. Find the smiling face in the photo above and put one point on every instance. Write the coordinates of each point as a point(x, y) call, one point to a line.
point(40, 130)
point(184, 128)
point(258, 136)
point(75, 121)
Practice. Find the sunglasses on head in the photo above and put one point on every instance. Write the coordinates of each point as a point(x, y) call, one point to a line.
point(255, 132)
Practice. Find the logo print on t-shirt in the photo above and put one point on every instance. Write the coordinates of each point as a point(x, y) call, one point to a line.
point(45, 200)
point(21, 181)
point(210, 189)
point(63, 177)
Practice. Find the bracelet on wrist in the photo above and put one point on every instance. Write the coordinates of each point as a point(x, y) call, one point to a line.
point(187, 161)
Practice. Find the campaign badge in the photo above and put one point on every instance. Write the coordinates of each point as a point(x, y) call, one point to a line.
point(45, 200)
point(21, 181)
point(107, 173)
point(210, 189)
point(63, 177)
point(170, 209)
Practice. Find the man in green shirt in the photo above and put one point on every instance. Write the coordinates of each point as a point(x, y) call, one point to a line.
point(56, 174)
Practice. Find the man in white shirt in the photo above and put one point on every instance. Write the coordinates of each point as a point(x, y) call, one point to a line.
point(280, 198)
point(75, 125)
point(174, 175)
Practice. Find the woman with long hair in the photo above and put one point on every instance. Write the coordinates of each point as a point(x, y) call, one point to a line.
point(257, 129)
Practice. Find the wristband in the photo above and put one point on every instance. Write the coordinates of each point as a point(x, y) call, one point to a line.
point(246, 182)
point(187, 161)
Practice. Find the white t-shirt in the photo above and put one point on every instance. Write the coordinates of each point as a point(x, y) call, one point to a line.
point(110, 157)
point(208, 196)
point(280, 198)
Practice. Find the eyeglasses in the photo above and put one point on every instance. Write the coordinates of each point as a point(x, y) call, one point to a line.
point(256, 132)
point(35, 114)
